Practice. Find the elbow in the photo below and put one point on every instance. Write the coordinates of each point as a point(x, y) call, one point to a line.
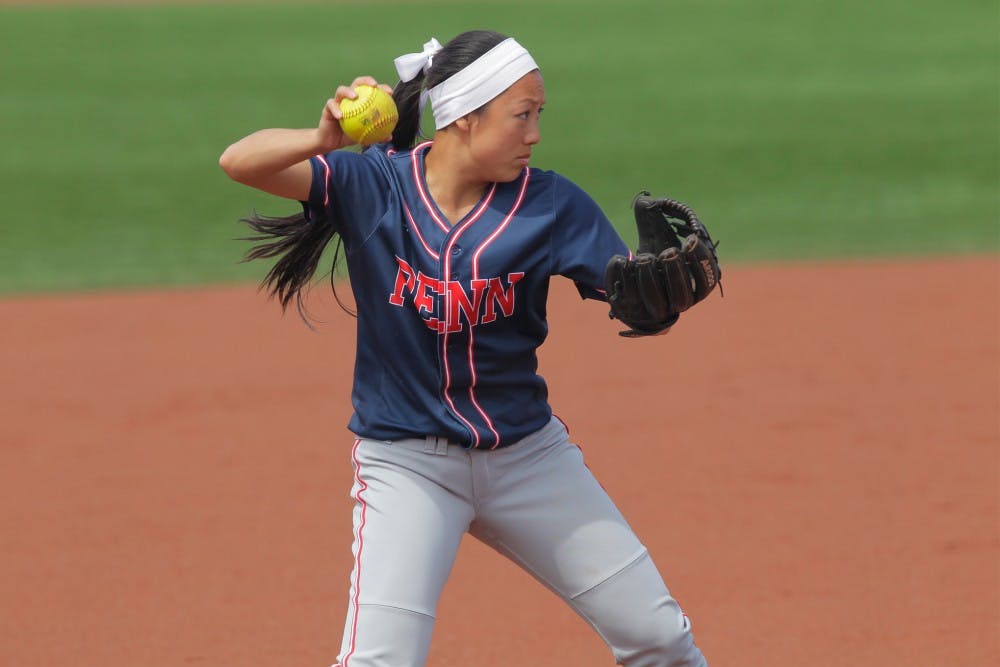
point(237, 165)
point(230, 164)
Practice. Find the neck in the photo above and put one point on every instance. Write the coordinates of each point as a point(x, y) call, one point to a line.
point(450, 178)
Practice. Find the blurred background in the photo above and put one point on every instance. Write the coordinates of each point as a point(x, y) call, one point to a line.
point(795, 129)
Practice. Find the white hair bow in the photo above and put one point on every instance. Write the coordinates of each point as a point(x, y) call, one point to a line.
point(409, 65)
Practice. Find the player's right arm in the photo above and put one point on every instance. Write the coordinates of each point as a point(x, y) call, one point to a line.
point(276, 160)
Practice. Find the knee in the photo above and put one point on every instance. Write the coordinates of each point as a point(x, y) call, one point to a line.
point(638, 618)
point(665, 644)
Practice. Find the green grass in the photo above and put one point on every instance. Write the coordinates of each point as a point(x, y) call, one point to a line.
point(795, 129)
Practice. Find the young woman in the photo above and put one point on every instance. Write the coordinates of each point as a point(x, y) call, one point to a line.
point(450, 245)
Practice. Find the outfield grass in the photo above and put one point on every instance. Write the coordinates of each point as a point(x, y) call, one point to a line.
point(795, 129)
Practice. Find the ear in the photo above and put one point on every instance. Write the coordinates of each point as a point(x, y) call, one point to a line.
point(464, 123)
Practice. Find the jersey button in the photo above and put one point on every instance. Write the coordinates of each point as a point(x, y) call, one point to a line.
point(454, 276)
point(456, 250)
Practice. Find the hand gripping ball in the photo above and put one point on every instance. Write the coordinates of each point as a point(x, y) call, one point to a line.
point(371, 117)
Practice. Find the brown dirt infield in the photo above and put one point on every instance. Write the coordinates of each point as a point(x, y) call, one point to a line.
point(812, 461)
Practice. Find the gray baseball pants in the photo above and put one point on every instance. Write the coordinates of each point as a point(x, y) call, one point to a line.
point(536, 503)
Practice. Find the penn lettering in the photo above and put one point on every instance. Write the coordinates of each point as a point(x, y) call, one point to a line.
point(476, 302)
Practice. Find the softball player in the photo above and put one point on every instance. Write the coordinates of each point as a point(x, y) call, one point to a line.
point(450, 244)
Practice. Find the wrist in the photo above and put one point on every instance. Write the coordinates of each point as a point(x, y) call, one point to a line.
point(322, 140)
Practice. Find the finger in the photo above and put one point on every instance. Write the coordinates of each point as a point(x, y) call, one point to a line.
point(364, 81)
point(650, 285)
point(614, 276)
point(677, 282)
point(702, 266)
point(655, 235)
point(345, 92)
point(636, 294)
point(622, 290)
point(333, 109)
point(385, 88)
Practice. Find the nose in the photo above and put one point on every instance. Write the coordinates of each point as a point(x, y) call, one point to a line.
point(533, 136)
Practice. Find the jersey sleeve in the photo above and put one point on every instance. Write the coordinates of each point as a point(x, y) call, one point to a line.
point(583, 239)
point(351, 189)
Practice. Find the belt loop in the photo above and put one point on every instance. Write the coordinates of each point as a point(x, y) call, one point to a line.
point(436, 445)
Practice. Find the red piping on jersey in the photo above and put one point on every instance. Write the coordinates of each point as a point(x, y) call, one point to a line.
point(415, 158)
point(475, 276)
point(413, 226)
point(429, 204)
point(355, 603)
point(559, 419)
point(503, 225)
point(463, 226)
point(326, 180)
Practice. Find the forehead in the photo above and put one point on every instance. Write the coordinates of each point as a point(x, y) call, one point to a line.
point(529, 88)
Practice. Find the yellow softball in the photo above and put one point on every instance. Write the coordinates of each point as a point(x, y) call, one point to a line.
point(371, 117)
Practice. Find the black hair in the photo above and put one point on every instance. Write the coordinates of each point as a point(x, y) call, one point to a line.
point(456, 55)
point(298, 241)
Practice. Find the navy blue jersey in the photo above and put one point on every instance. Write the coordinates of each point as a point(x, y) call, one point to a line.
point(450, 317)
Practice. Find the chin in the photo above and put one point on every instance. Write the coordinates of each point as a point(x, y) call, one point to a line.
point(510, 175)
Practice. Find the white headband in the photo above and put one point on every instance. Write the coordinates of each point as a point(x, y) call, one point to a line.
point(472, 87)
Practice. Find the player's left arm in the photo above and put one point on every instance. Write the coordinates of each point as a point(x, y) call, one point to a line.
point(583, 240)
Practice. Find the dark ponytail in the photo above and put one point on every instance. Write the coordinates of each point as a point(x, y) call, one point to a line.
point(406, 94)
point(299, 243)
point(456, 55)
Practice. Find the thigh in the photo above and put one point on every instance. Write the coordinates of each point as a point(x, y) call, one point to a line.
point(547, 512)
point(408, 524)
point(409, 517)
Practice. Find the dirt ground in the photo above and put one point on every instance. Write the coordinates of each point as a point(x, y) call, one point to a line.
point(813, 462)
